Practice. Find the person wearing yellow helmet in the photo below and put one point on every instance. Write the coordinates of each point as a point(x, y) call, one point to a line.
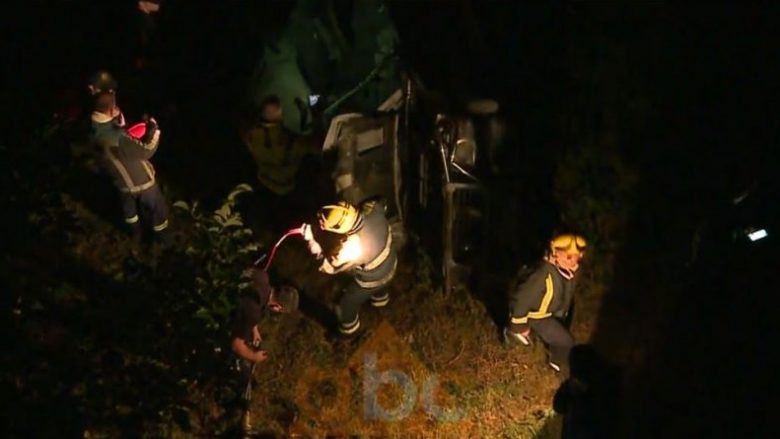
point(355, 240)
point(543, 300)
point(567, 250)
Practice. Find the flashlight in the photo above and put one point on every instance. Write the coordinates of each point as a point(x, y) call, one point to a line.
point(757, 235)
point(351, 250)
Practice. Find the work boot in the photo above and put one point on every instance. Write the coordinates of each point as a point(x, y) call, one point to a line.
point(342, 336)
point(511, 338)
point(561, 367)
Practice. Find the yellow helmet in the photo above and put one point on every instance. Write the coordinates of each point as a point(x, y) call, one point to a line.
point(570, 243)
point(342, 218)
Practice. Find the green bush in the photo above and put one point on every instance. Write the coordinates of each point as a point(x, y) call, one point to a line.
point(217, 249)
point(132, 345)
point(200, 283)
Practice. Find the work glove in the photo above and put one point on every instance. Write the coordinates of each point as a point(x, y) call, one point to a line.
point(118, 118)
point(326, 267)
point(307, 234)
point(523, 336)
point(314, 246)
point(151, 129)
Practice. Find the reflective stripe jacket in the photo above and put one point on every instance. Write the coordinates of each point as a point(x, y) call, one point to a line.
point(545, 293)
point(126, 159)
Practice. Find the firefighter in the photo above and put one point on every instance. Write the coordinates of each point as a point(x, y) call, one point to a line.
point(542, 302)
point(125, 156)
point(362, 248)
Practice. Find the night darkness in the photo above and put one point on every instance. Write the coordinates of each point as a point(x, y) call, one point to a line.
point(635, 124)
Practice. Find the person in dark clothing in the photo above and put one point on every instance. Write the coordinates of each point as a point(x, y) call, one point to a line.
point(363, 248)
point(588, 399)
point(125, 153)
point(245, 331)
point(543, 301)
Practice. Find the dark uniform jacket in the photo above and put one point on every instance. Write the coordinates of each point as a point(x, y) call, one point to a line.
point(125, 158)
point(545, 293)
point(376, 265)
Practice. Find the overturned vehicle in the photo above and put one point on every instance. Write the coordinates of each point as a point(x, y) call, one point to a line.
point(382, 132)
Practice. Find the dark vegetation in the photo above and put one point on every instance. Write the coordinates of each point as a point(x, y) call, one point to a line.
point(632, 123)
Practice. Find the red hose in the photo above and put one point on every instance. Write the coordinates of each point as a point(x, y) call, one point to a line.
point(291, 232)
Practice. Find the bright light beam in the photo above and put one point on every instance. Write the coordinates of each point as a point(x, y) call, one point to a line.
point(351, 250)
point(758, 234)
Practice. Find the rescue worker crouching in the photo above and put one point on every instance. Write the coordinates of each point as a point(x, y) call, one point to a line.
point(542, 302)
point(125, 155)
point(362, 248)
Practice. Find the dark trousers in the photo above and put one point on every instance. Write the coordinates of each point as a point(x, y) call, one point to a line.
point(147, 207)
point(245, 371)
point(354, 297)
point(556, 337)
